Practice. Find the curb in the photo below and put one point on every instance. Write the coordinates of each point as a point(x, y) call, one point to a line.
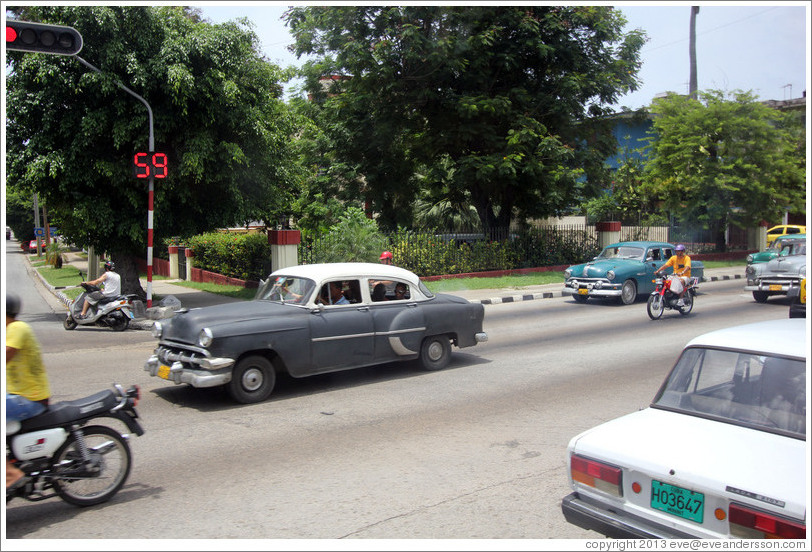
point(550, 295)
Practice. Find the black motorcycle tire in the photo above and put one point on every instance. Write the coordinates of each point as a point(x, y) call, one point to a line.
point(118, 321)
point(655, 306)
point(688, 299)
point(112, 453)
point(70, 323)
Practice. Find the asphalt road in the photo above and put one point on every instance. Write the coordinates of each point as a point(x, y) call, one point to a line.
point(475, 451)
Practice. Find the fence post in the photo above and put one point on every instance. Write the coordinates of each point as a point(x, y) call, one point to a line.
point(189, 254)
point(608, 232)
point(284, 248)
point(173, 262)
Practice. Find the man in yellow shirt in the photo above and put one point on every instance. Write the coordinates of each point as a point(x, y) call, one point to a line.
point(681, 263)
point(27, 388)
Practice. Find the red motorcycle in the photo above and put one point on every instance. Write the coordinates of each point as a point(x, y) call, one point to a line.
point(663, 298)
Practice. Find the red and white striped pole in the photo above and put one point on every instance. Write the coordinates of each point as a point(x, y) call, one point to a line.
point(149, 235)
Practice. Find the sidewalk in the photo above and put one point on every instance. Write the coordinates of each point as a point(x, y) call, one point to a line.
point(191, 298)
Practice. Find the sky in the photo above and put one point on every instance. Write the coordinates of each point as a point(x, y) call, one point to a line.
point(761, 46)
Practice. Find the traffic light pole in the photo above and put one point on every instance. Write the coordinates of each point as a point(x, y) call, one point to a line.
point(151, 181)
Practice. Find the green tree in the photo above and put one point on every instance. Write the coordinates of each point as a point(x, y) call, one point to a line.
point(498, 107)
point(354, 238)
point(723, 159)
point(218, 113)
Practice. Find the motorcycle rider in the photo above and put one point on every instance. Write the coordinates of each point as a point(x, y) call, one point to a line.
point(681, 263)
point(111, 287)
point(28, 390)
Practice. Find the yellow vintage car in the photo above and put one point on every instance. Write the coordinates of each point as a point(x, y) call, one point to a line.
point(783, 229)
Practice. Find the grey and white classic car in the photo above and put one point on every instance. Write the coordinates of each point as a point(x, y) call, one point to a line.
point(314, 319)
point(780, 275)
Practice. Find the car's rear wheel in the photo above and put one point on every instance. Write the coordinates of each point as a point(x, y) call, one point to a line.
point(760, 296)
point(628, 293)
point(253, 380)
point(435, 352)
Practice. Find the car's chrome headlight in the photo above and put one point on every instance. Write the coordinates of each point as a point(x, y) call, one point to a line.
point(610, 275)
point(205, 337)
point(157, 330)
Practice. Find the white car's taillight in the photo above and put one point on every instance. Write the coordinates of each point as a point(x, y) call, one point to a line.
point(753, 524)
point(598, 475)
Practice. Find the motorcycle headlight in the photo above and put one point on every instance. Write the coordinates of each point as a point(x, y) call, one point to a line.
point(205, 337)
point(157, 330)
point(610, 275)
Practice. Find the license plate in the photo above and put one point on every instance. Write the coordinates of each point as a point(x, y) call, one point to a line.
point(775, 287)
point(677, 501)
point(583, 291)
point(163, 371)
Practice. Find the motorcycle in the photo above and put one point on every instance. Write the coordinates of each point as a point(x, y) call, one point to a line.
point(663, 298)
point(114, 313)
point(63, 456)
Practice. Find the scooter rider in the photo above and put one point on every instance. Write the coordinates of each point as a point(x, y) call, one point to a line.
point(681, 264)
point(111, 287)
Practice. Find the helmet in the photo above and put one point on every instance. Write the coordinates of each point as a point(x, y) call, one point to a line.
point(386, 255)
point(109, 265)
point(13, 305)
point(680, 247)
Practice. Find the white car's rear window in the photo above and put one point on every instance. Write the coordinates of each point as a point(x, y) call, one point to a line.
point(746, 388)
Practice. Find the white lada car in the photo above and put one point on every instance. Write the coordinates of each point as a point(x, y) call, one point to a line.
point(719, 453)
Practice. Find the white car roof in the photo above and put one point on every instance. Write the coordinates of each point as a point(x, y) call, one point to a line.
point(347, 271)
point(785, 337)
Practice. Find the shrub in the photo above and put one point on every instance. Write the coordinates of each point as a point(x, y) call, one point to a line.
point(243, 256)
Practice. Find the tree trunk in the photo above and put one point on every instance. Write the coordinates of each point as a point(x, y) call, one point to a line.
point(127, 268)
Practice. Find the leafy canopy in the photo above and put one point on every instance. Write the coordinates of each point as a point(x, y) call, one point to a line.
point(725, 158)
point(218, 114)
point(495, 107)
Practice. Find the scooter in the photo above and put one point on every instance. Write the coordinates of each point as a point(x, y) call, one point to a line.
point(663, 298)
point(114, 313)
point(61, 455)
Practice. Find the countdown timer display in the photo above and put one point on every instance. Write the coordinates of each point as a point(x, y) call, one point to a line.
point(152, 163)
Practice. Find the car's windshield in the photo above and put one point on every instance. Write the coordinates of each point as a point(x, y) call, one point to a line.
point(793, 247)
point(622, 252)
point(285, 289)
point(765, 392)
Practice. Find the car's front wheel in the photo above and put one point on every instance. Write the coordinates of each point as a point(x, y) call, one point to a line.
point(628, 293)
point(435, 352)
point(253, 380)
point(760, 296)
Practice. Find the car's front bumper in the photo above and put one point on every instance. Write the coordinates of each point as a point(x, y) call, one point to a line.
point(178, 373)
point(593, 288)
point(775, 287)
point(588, 514)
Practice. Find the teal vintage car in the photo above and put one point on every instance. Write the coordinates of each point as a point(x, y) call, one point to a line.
point(622, 271)
point(772, 251)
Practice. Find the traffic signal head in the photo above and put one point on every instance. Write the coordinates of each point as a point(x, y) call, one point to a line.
point(25, 36)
